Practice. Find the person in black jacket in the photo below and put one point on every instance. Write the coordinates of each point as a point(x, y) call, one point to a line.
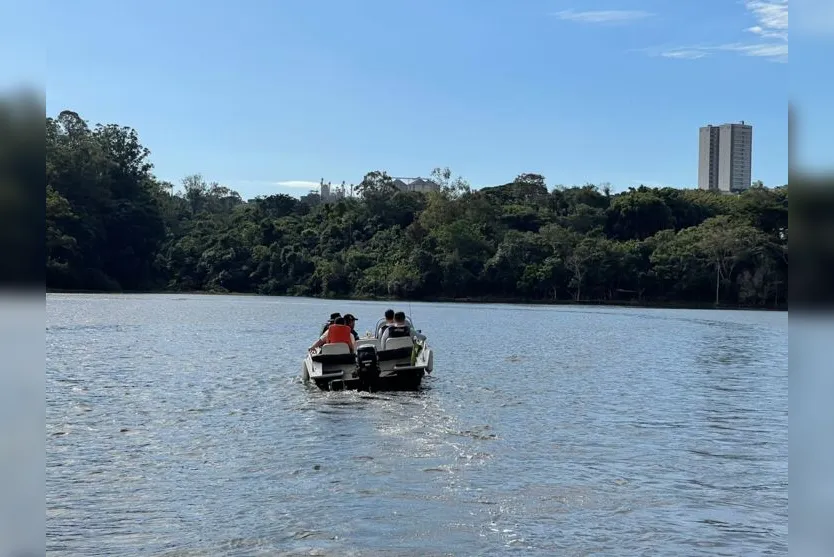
point(399, 328)
point(333, 318)
point(350, 321)
point(389, 320)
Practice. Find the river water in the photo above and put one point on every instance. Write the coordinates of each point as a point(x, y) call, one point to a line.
point(177, 425)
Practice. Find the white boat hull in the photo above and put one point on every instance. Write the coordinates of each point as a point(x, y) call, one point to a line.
point(398, 367)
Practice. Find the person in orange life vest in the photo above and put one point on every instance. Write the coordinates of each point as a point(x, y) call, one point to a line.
point(336, 333)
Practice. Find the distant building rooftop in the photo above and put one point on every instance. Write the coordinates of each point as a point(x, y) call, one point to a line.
point(415, 184)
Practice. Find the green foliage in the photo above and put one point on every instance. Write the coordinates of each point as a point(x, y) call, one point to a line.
point(111, 225)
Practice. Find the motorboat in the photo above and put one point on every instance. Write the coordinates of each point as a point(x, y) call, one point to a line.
point(399, 364)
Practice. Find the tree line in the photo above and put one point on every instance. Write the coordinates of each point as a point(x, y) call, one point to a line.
point(111, 225)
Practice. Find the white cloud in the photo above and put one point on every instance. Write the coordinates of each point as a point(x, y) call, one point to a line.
point(774, 52)
point(306, 184)
point(766, 34)
point(771, 18)
point(684, 54)
point(602, 16)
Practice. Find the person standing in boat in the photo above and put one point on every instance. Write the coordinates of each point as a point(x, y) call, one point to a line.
point(336, 333)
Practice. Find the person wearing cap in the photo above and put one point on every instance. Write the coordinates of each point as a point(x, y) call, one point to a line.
point(333, 318)
point(350, 321)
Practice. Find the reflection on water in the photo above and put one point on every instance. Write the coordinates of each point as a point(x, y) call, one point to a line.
point(177, 425)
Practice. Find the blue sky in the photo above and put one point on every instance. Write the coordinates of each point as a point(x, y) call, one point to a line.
point(266, 96)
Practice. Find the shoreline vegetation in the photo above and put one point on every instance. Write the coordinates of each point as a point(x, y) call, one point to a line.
point(462, 301)
point(113, 227)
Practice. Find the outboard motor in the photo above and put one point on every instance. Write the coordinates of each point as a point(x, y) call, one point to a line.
point(367, 366)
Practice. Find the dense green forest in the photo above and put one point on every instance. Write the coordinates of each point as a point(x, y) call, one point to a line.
point(112, 225)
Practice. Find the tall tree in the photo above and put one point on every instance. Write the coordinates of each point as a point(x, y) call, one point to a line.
point(110, 225)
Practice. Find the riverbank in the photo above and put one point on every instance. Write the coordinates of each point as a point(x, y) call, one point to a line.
point(653, 304)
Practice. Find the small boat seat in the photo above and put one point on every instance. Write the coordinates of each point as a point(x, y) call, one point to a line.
point(334, 354)
point(398, 342)
point(397, 348)
point(335, 348)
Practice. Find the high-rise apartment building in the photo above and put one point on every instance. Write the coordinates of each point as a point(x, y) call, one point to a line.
point(725, 157)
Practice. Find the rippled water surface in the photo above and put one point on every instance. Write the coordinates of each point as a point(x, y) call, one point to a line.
point(177, 425)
